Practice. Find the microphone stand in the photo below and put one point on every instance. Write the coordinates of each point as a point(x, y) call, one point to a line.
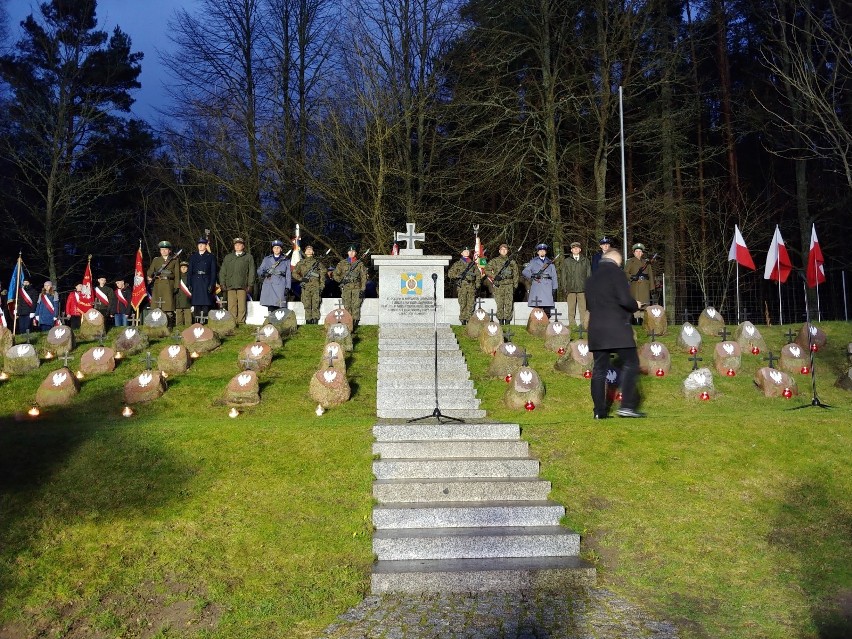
point(437, 414)
point(814, 398)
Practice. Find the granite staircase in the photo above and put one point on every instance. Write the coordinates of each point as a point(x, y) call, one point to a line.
point(460, 506)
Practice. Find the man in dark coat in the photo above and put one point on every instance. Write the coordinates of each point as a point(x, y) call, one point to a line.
point(610, 309)
point(606, 244)
point(202, 278)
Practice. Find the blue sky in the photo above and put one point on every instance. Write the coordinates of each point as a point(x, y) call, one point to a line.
point(145, 21)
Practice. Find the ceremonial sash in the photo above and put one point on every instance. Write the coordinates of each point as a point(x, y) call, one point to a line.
point(185, 289)
point(49, 304)
point(22, 292)
point(101, 296)
point(121, 299)
point(3, 320)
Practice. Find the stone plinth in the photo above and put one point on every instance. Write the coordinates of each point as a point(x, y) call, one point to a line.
point(58, 389)
point(655, 320)
point(727, 356)
point(526, 386)
point(407, 292)
point(97, 360)
point(329, 387)
point(60, 340)
point(557, 336)
point(21, 359)
point(773, 382)
point(174, 359)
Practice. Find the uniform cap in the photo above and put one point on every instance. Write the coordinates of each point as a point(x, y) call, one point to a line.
point(308, 246)
point(541, 246)
point(506, 246)
point(277, 243)
point(573, 244)
point(164, 244)
point(239, 240)
point(352, 247)
point(202, 240)
point(640, 247)
point(605, 240)
point(182, 263)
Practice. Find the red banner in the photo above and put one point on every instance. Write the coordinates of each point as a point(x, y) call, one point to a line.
point(139, 291)
point(86, 299)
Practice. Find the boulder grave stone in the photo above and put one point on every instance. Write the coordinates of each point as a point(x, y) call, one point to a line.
point(688, 338)
point(200, 339)
point(329, 387)
point(507, 360)
point(772, 382)
point(130, 341)
point(221, 322)
point(340, 316)
point(727, 356)
point(341, 334)
point(60, 340)
point(557, 336)
point(256, 357)
point(92, 326)
point(793, 358)
point(97, 360)
point(655, 320)
point(333, 357)
point(477, 320)
point(58, 389)
point(697, 383)
point(490, 338)
point(748, 336)
point(242, 390)
point(284, 320)
point(577, 360)
point(526, 386)
point(653, 357)
point(156, 323)
point(817, 336)
point(21, 359)
point(145, 387)
point(537, 322)
point(268, 334)
point(174, 359)
point(711, 322)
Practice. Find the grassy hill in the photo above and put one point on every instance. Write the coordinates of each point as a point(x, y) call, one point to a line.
point(730, 517)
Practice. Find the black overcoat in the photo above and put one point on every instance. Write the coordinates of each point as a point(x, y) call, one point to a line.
point(610, 308)
point(202, 278)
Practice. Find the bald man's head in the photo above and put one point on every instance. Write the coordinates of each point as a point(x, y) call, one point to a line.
point(613, 256)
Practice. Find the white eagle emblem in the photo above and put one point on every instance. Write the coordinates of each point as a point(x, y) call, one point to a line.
point(174, 351)
point(656, 349)
point(145, 379)
point(129, 333)
point(583, 349)
point(256, 350)
point(24, 349)
point(219, 314)
point(538, 314)
point(480, 314)
point(749, 329)
point(557, 328)
point(776, 376)
point(492, 329)
point(711, 312)
point(526, 377)
point(656, 312)
point(688, 330)
point(198, 331)
point(813, 330)
point(268, 330)
point(280, 314)
point(510, 348)
point(338, 330)
point(729, 348)
point(58, 333)
point(698, 378)
point(156, 314)
point(795, 351)
point(59, 378)
point(329, 376)
point(93, 315)
point(97, 354)
point(333, 350)
point(244, 379)
point(611, 376)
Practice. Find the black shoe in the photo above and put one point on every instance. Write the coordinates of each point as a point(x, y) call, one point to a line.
point(597, 416)
point(464, 322)
point(629, 412)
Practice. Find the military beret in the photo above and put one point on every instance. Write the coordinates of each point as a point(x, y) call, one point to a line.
point(164, 244)
point(640, 247)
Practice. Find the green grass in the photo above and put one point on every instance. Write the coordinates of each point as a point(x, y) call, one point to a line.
point(730, 517)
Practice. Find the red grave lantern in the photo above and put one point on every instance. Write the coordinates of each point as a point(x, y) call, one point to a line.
point(529, 406)
point(805, 370)
point(814, 347)
point(508, 378)
point(560, 351)
point(787, 393)
point(704, 396)
point(587, 374)
point(731, 372)
point(692, 350)
point(660, 372)
point(755, 350)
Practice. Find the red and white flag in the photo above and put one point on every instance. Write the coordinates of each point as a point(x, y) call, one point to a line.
point(479, 255)
point(778, 265)
point(86, 300)
point(816, 262)
point(139, 291)
point(739, 251)
point(395, 249)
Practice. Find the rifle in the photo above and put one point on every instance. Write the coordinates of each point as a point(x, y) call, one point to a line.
point(538, 275)
point(309, 275)
point(348, 276)
point(274, 271)
point(499, 276)
point(458, 280)
point(173, 256)
point(641, 271)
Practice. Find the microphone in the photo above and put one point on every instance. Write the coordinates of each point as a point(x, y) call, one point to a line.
point(434, 277)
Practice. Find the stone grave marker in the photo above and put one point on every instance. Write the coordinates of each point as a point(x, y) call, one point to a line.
point(58, 388)
point(711, 322)
point(477, 320)
point(654, 357)
point(329, 387)
point(817, 336)
point(174, 359)
point(773, 382)
point(689, 338)
point(156, 323)
point(526, 386)
point(130, 341)
point(507, 360)
point(577, 360)
point(145, 387)
point(655, 320)
point(556, 336)
point(6, 339)
point(333, 357)
point(490, 338)
point(91, 325)
point(242, 390)
point(341, 334)
point(257, 357)
point(537, 322)
point(221, 322)
point(199, 338)
point(97, 360)
point(698, 382)
point(268, 334)
point(21, 359)
point(845, 380)
point(284, 320)
point(727, 356)
point(340, 316)
point(793, 358)
point(60, 340)
point(747, 336)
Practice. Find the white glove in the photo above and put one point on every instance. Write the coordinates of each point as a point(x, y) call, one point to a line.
point(32, 315)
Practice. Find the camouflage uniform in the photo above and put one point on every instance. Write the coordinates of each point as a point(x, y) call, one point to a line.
point(467, 280)
point(351, 274)
point(503, 271)
point(311, 273)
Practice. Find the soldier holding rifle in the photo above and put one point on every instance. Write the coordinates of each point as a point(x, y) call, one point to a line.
point(641, 275)
point(351, 273)
point(541, 273)
point(466, 276)
point(311, 273)
point(274, 270)
point(503, 272)
point(163, 277)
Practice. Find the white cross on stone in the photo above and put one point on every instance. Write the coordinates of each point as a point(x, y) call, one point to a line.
point(410, 238)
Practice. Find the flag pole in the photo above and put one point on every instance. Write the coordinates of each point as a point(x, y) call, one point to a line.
point(738, 289)
point(819, 313)
point(19, 272)
point(778, 266)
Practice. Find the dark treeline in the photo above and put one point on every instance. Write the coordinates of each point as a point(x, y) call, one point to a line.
point(352, 118)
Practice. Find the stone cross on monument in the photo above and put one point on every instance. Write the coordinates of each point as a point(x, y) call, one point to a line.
point(410, 238)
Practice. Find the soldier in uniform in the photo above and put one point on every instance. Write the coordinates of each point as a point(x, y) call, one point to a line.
point(543, 280)
point(311, 273)
point(104, 298)
point(640, 273)
point(163, 275)
point(183, 298)
point(274, 270)
point(236, 277)
point(503, 272)
point(465, 273)
point(351, 274)
point(575, 271)
point(606, 244)
point(202, 278)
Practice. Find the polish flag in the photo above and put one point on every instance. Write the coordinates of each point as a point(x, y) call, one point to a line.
point(86, 298)
point(816, 262)
point(139, 292)
point(778, 265)
point(739, 251)
point(479, 255)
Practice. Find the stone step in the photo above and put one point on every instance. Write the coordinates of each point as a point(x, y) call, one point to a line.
point(416, 398)
point(422, 374)
point(475, 543)
point(454, 468)
point(464, 514)
point(449, 449)
point(409, 350)
point(431, 490)
point(405, 330)
point(388, 431)
point(421, 386)
point(482, 575)
point(425, 367)
point(425, 404)
point(414, 413)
